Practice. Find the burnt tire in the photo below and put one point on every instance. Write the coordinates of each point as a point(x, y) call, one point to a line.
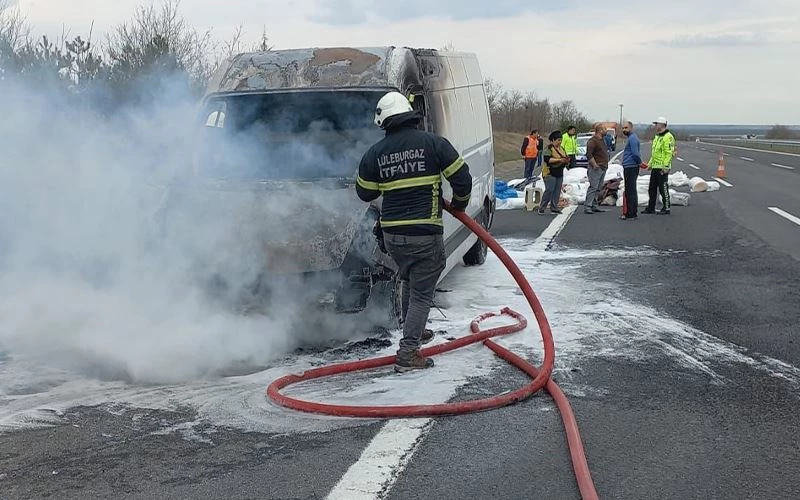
point(384, 307)
point(476, 255)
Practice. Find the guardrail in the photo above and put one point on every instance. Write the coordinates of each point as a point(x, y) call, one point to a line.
point(763, 144)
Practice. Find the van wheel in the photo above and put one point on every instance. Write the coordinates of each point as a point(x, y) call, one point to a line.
point(385, 304)
point(476, 255)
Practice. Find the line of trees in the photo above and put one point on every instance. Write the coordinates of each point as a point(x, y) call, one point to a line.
point(130, 64)
point(782, 132)
point(516, 111)
point(156, 42)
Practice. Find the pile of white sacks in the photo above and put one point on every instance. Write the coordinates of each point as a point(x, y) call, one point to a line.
point(576, 183)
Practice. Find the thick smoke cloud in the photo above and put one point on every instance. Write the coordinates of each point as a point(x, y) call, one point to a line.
point(115, 260)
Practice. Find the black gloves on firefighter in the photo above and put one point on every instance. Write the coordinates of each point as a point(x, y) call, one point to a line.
point(459, 205)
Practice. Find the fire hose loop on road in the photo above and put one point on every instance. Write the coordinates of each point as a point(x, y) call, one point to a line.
point(540, 376)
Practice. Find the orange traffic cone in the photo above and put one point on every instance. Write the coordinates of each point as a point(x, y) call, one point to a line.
point(721, 167)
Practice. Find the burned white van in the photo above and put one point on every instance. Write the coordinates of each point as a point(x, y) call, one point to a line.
point(290, 126)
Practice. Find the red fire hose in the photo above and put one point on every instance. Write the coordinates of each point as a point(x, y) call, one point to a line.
point(540, 376)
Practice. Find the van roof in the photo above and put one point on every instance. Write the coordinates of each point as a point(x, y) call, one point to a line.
point(308, 67)
point(341, 67)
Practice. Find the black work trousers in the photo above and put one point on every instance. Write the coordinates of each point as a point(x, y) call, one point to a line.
point(659, 183)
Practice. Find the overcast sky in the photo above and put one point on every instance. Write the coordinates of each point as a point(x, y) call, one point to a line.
point(702, 61)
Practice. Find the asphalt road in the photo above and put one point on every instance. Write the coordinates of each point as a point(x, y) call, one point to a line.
point(684, 380)
point(760, 181)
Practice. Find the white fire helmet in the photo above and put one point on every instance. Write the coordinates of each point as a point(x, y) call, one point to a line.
point(391, 104)
point(661, 120)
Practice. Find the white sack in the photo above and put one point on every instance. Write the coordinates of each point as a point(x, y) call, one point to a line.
point(614, 172)
point(575, 175)
point(510, 204)
point(698, 184)
point(678, 179)
point(680, 198)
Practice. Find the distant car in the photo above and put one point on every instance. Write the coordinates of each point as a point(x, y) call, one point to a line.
point(580, 157)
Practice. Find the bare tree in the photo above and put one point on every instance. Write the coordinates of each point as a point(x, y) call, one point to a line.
point(233, 46)
point(448, 47)
point(158, 41)
point(14, 28)
point(494, 92)
point(566, 114)
point(14, 34)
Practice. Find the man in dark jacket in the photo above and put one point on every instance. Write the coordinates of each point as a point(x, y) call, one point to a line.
point(597, 153)
point(407, 167)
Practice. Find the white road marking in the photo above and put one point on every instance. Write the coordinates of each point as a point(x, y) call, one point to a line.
point(723, 182)
point(372, 476)
point(382, 462)
point(756, 150)
point(725, 154)
point(746, 158)
point(554, 228)
point(694, 166)
point(785, 215)
point(787, 167)
point(680, 159)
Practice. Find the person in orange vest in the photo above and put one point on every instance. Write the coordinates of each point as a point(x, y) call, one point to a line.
point(530, 152)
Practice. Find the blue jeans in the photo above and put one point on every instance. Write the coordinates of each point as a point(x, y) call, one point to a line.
point(530, 166)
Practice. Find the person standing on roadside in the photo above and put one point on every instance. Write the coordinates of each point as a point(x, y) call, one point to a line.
point(555, 159)
point(411, 215)
point(597, 155)
point(530, 153)
point(570, 144)
point(539, 157)
point(631, 159)
point(660, 164)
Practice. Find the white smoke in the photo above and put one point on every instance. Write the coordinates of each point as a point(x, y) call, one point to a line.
point(89, 281)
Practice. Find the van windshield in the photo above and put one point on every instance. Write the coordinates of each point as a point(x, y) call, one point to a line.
point(287, 135)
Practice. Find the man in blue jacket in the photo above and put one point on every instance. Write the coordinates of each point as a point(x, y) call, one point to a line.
point(631, 159)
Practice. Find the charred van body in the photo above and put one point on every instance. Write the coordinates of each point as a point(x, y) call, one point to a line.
point(282, 133)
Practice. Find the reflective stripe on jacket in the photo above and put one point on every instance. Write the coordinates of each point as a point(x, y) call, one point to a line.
point(663, 149)
point(407, 168)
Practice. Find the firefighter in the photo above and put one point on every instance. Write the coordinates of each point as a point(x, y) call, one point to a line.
point(406, 167)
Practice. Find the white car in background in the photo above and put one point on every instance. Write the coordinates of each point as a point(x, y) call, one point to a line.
point(580, 157)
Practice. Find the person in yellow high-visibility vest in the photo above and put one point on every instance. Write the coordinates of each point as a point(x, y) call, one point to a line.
point(569, 143)
point(660, 163)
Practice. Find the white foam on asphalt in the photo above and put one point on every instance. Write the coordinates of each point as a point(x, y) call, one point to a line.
point(585, 326)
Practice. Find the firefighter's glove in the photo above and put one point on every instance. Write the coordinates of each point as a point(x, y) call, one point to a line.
point(458, 205)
